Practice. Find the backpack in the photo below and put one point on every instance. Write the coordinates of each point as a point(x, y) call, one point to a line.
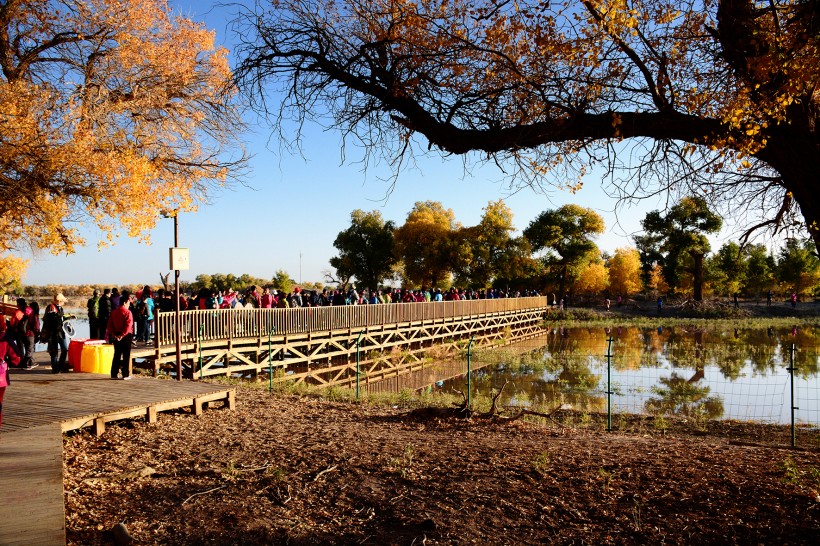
point(21, 328)
point(52, 324)
point(142, 308)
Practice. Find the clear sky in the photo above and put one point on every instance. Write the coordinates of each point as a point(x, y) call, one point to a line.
point(289, 209)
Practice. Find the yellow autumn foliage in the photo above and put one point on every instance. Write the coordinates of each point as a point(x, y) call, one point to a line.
point(111, 111)
point(625, 272)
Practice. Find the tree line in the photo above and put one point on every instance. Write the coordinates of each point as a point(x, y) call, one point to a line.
point(557, 253)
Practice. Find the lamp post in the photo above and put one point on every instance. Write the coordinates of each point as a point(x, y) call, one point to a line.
point(177, 321)
point(179, 261)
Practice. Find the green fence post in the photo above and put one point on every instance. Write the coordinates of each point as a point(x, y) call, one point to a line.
point(358, 362)
point(270, 362)
point(791, 376)
point(609, 384)
point(469, 385)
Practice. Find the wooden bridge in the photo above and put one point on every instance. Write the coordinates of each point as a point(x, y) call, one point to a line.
point(320, 345)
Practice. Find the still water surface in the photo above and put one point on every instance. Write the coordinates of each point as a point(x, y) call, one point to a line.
point(716, 374)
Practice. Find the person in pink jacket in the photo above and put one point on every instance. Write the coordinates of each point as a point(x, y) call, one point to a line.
point(14, 359)
point(120, 332)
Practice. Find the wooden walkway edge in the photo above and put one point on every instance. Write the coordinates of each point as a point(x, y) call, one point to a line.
point(40, 406)
point(31, 486)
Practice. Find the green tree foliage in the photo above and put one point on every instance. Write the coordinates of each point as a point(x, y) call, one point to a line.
point(282, 281)
point(424, 244)
point(566, 234)
point(798, 266)
point(761, 271)
point(727, 269)
point(517, 268)
point(678, 242)
point(220, 282)
point(481, 252)
point(365, 249)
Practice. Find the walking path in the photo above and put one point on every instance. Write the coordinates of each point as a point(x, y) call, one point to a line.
point(40, 406)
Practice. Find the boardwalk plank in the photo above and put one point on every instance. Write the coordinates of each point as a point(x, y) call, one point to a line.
point(32, 483)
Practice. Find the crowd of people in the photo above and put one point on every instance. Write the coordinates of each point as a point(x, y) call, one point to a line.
point(267, 298)
point(117, 317)
point(123, 319)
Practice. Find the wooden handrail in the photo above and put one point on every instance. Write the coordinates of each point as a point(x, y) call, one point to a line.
point(220, 324)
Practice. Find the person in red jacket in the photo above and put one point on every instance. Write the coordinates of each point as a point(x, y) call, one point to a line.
point(120, 332)
point(14, 360)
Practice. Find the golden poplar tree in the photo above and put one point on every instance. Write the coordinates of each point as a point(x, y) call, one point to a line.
point(424, 245)
point(110, 111)
point(625, 272)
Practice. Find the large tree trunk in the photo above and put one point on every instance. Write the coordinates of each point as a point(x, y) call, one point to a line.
point(794, 151)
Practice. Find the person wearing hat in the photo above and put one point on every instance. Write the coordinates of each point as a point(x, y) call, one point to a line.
point(54, 334)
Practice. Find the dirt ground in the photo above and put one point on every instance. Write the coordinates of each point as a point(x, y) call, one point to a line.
point(283, 469)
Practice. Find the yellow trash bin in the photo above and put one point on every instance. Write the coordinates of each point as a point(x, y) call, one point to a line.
point(97, 358)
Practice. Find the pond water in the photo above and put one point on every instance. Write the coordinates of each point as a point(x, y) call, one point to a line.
point(716, 374)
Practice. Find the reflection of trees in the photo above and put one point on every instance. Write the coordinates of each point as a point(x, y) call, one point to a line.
point(562, 369)
point(678, 396)
point(565, 379)
point(806, 354)
point(762, 348)
point(628, 349)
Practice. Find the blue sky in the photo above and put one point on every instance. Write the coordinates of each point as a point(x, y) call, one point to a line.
point(290, 208)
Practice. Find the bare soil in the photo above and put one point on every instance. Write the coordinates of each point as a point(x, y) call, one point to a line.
point(283, 469)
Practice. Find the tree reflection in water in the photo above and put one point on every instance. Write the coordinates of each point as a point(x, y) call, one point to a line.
point(678, 396)
point(715, 372)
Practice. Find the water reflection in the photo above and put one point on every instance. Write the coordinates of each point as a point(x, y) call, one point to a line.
point(683, 370)
point(678, 396)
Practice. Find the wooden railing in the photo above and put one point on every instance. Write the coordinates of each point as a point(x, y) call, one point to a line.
point(218, 324)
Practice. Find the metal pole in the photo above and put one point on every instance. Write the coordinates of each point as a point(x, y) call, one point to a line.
point(177, 317)
point(469, 369)
point(358, 362)
point(609, 385)
point(791, 376)
point(270, 361)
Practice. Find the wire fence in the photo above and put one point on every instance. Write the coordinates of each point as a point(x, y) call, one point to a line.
point(759, 387)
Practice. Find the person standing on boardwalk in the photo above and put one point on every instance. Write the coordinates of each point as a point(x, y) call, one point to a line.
point(120, 331)
point(54, 334)
point(93, 306)
point(14, 360)
point(103, 312)
point(115, 298)
point(17, 329)
point(30, 329)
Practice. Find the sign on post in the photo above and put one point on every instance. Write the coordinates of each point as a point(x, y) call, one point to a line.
point(179, 259)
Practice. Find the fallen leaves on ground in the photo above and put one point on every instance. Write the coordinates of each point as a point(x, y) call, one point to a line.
point(283, 469)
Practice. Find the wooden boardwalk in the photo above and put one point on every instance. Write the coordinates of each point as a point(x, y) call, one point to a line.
point(39, 406)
